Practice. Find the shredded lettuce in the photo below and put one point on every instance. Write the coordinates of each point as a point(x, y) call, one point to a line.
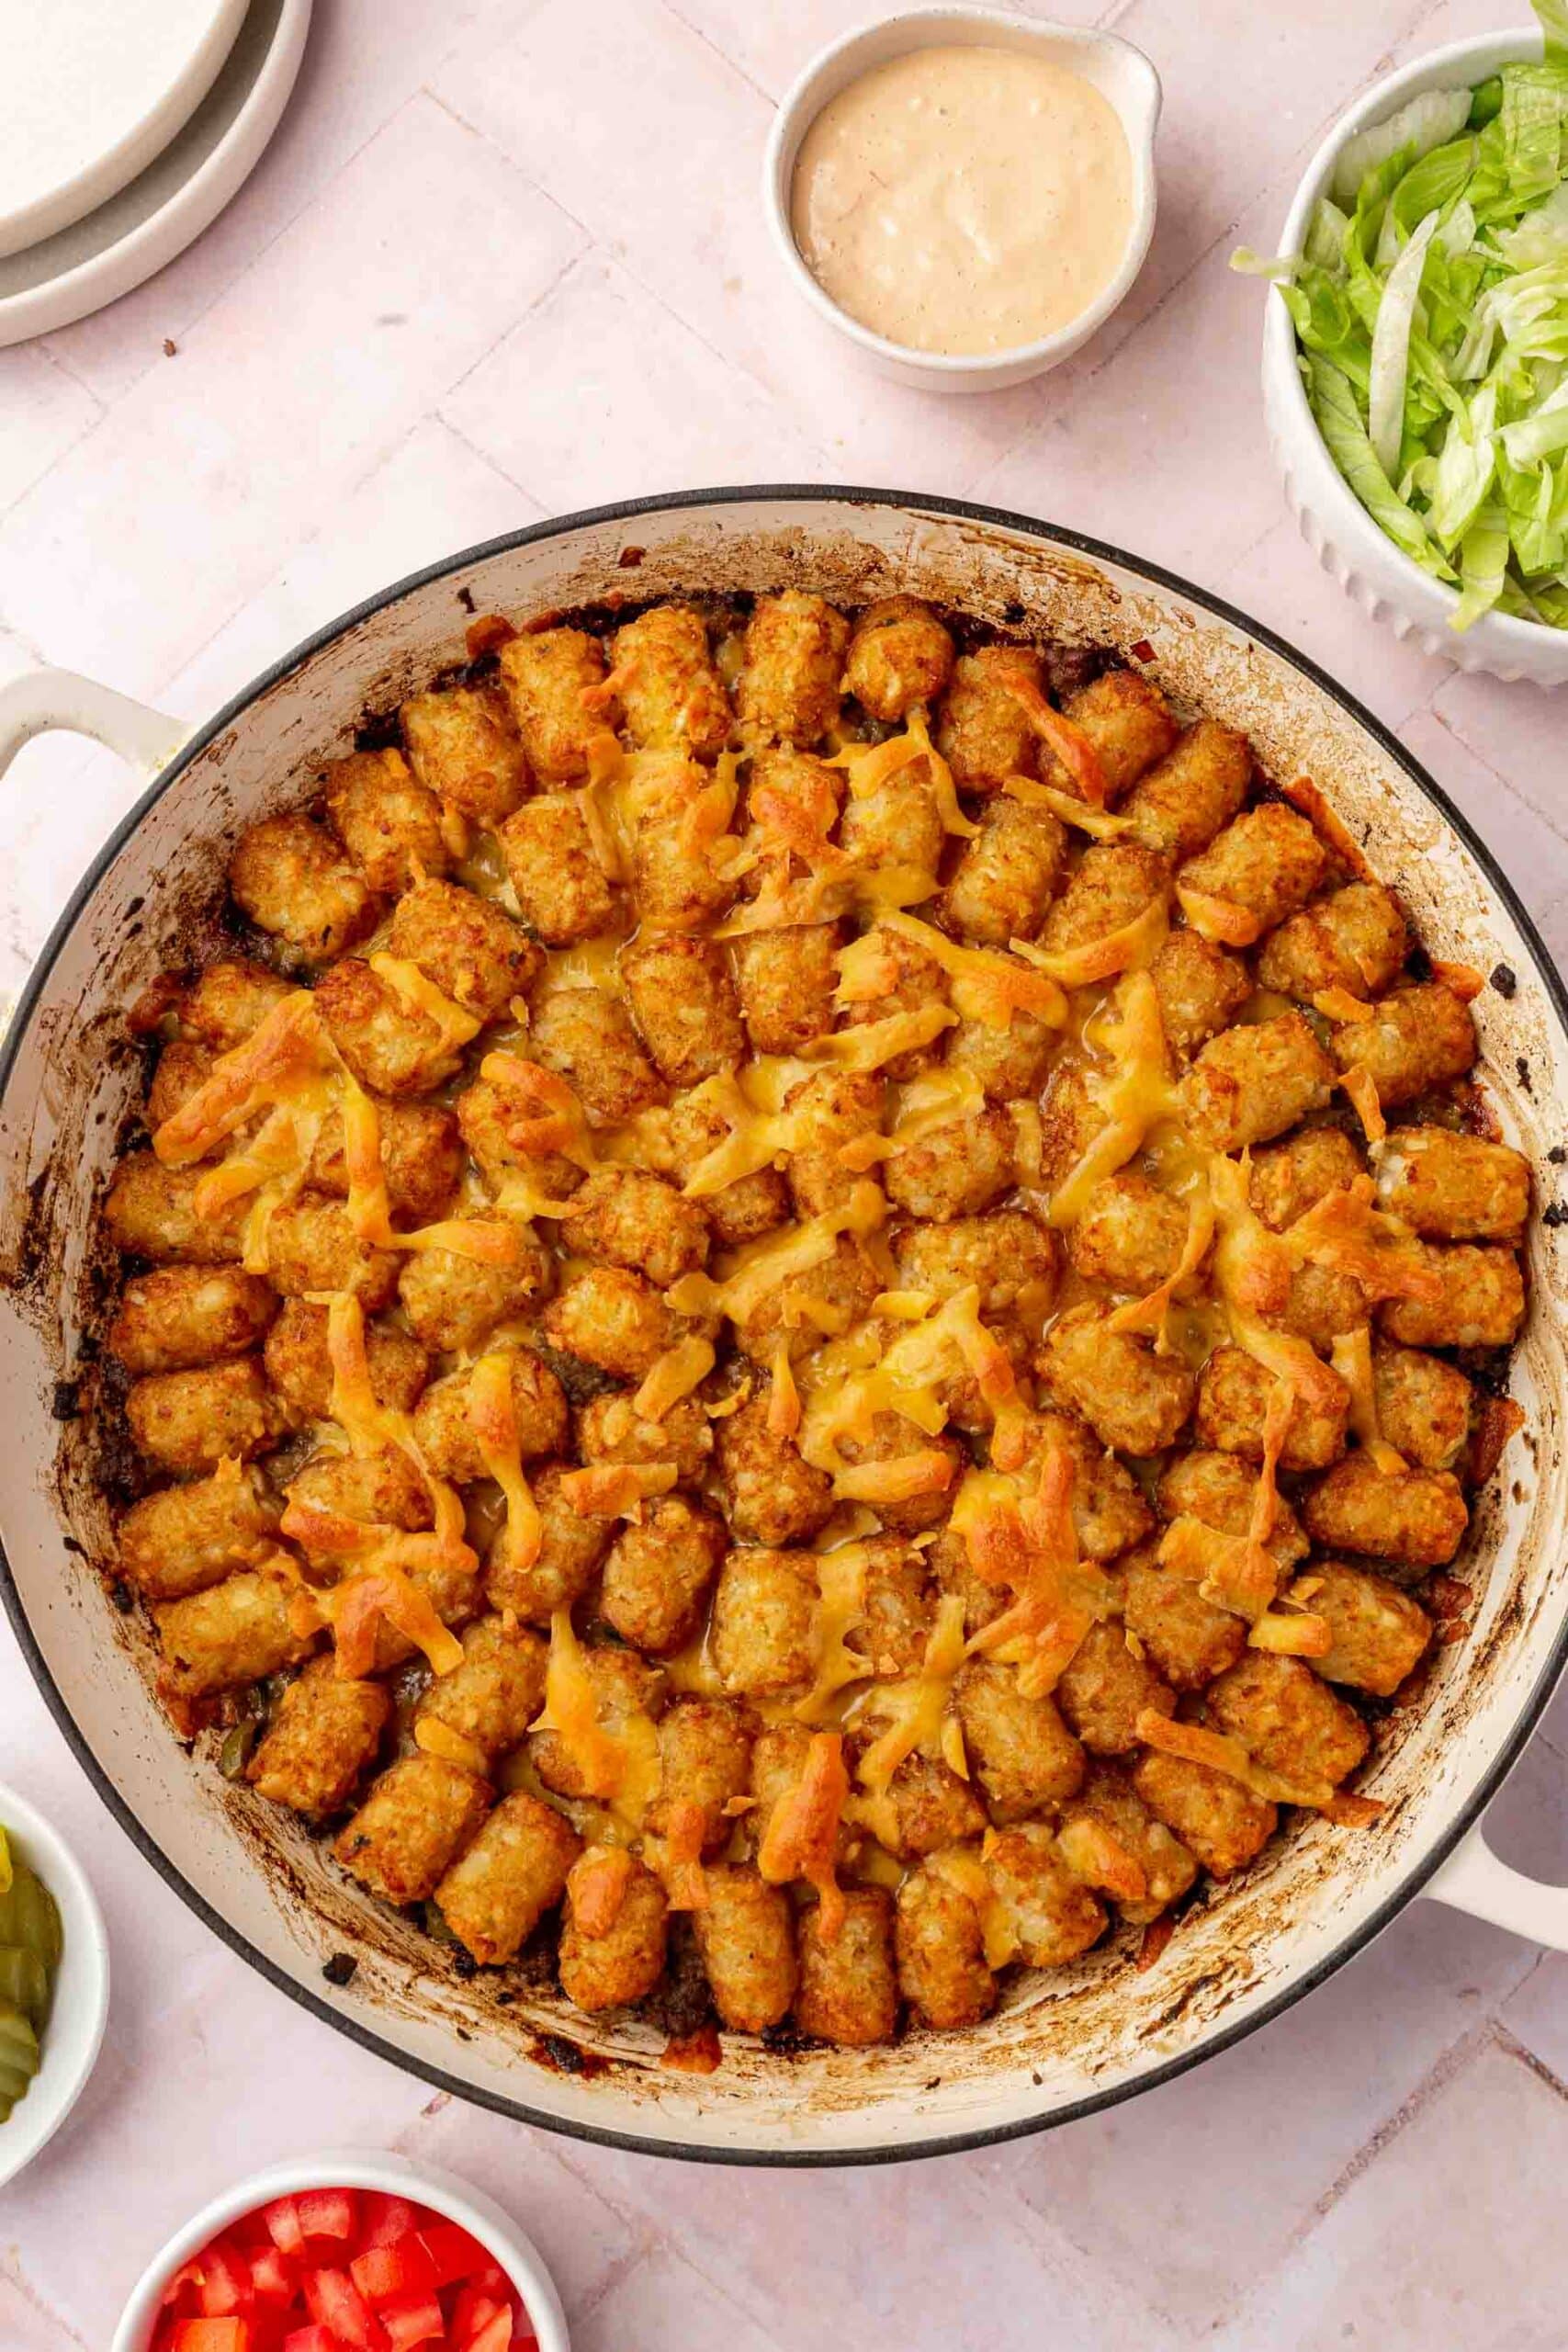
point(1431, 305)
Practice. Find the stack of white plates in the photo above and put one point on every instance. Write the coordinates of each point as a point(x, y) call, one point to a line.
point(125, 127)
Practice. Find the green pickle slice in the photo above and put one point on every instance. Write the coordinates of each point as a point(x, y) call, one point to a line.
point(19, 2057)
point(31, 1940)
point(28, 1916)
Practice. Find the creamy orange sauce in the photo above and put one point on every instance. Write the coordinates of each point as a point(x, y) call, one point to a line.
point(964, 199)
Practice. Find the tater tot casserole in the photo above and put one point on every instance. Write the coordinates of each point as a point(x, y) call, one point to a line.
point(811, 1312)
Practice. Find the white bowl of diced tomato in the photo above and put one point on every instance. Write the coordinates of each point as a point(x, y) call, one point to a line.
point(346, 2252)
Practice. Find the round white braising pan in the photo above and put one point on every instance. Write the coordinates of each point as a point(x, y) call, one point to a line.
point(1063, 2042)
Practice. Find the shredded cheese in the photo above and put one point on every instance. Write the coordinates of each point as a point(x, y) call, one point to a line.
point(453, 1025)
point(1352, 1360)
point(493, 1416)
point(1134, 1091)
point(1130, 947)
point(677, 1371)
point(987, 985)
point(914, 1710)
point(840, 1606)
point(802, 1836)
point(1067, 742)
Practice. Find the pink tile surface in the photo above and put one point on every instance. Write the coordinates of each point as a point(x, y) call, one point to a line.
point(505, 258)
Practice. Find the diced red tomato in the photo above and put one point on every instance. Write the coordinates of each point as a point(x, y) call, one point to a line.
point(496, 2334)
point(332, 2298)
point(385, 2220)
point(411, 2319)
point(310, 2339)
point(453, 2253)
point(272, 2275)
point(210, 2336)
point(226, 2288)
point(327, 2212)
point(181, 2291)
point(480, 2320)
point(401, 2268)
point(282, 2219)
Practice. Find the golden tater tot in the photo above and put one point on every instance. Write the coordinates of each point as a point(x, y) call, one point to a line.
point(612, 1319)
point(312, 1247)
point(554, 680)
point(940, 1951)
point(1110, 1801)
point(1288, 1719)
point(1251, 1083)
point(151, 1212)
point(638, 1221)
point(415, 1821)
point(1217, 1818)
point(326, 1732)
point(683, 1002)
point(1267, 862)
point(444, 1425)
point(454, 1302)
point(1131, 1234)
point(848, 1985)
point(1105, 1687)
point(746, 1938)
point(194, 1420)
point(1134, 1399)
point(494, 1895)
point(1127, 723)
point(1234, 1395)
point(1379, 1632)
point(571, 1545)
point(1007, 876)
point(788, 690)
point(391, 1044)
point(959, 1169)
point(982, 730)
point(1424, 1406)
point(184, 1538)
point(422, 1159)
point(1182, 801)
point(1201, 988)
point(299, 1367)
point(588, 1037)
point(1416, 1038)
point(764, 1613)
point(787, 980)
point(1451, 1187)
point(563, 893)
point(772, 1497)
point(612, 1951)
point(229, 1635)
point(611, 1428)
point(1415, 1515)
point(657, 1574)
point(462, 746)
point(387, 821)
point(293, 880)
point(492, 1697)
point(901, 654)
point(472, 951)
point(624, 1686)
point(1111, 885)
point(704, 1759)
point(230, 1002)
point(1480, 1300)
point(1356, 940)
point(1021, 1752)
point(671, 695)
point(1053, 1917)
point(180, 1316)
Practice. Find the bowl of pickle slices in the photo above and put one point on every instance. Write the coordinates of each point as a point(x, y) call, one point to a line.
point(54, 1982)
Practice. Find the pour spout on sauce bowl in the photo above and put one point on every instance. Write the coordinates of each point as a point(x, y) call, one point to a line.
point(1119, 78)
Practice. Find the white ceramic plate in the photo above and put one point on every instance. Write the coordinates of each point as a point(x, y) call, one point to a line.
point(74, 2033)
point(130, 238)
point(94, 90)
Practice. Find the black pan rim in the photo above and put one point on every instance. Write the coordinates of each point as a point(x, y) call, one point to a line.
point(636, 2142)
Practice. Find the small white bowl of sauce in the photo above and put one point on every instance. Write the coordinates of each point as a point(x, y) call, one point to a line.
point(966, 195)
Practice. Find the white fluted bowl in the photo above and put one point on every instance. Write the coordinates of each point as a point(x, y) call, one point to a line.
point(1375, 574)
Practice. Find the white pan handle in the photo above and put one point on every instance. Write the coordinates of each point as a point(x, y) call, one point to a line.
point(1474, 1879)
point(42, 702)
